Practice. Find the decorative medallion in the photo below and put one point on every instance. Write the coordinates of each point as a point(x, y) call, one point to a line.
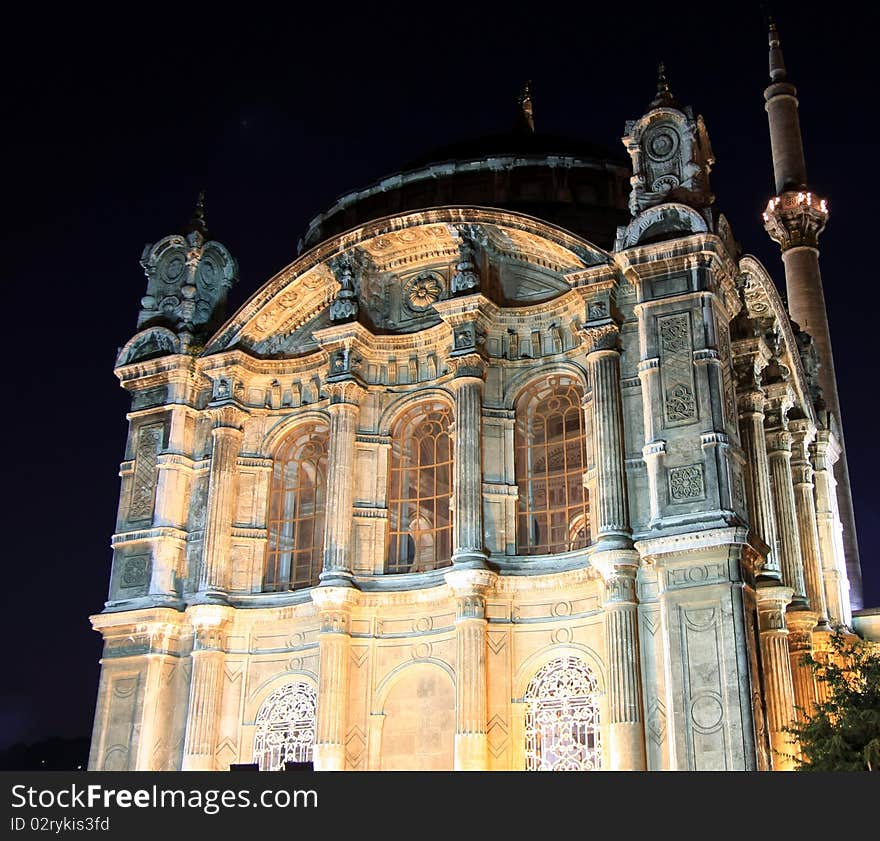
point(663, 145)
point(423, 291)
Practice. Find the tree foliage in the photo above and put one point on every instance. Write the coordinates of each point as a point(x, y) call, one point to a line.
point(843, 732)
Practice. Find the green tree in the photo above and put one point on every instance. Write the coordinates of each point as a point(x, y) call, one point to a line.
point(843, 733)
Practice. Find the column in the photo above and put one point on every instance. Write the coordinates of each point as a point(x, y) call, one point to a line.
point(344, 411)
point(803, 433)
point(610, 511)
point(759, 498)
point(206, 685)
point(334, 652)
point(222, 486)
point(470, 587)
point(779, 458)
point(626, 731)
point(800, 644)
point(467, 524)
point(825, 452)
point(776, 671)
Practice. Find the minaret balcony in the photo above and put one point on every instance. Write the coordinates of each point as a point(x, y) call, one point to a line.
point(796, 218)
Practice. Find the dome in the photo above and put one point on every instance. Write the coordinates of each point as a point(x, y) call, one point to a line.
point(579, 186)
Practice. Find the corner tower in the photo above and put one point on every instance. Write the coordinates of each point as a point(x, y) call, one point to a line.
point(794, 218)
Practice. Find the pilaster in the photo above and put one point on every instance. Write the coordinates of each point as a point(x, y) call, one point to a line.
point(470, 588)
point(226, 434)
point(209, 623)
point(626, 730)
point(334, 645)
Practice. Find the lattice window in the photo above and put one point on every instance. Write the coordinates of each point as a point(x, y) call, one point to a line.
point(420, 483)
point(562, 718)
point(297, 502)
point(554, 512)
point(286, 727)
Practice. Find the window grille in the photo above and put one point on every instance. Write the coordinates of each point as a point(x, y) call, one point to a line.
point(285, 727)
point(562, 718)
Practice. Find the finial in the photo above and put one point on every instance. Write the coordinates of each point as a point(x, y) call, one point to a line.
point(525, 103)
point(777, 64)
point(664, 96)
point(197, 220)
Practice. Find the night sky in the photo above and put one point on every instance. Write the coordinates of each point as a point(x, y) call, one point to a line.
point(112, 125)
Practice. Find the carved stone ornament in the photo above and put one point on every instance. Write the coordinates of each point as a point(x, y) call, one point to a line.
point(680, 402)
point(188, 278)
point(466, 279)
point(600, 337)
point(345, 305)
point(686, 483)
point(423, 291)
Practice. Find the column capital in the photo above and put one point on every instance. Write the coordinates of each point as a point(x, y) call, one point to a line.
point(334, 605)
point(228, 416)
point(772, 599)
point(778, 442)
point(209, 622)
point(601, 337)
point(466, 367)
point(344, 392)
point(471, 582)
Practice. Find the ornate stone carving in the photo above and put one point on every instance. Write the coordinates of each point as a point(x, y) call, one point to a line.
point(135, 571)
point(671, 155)
point(423, 290)
point(675, 333)
point(143, 485)
point(600, 337)
point(345, 304)
point(680, 403)
point(466, 279)
point(686, 483)
point(188, 278)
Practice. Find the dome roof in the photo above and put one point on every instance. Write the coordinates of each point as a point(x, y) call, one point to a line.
point(520, 143)
point(577, 185)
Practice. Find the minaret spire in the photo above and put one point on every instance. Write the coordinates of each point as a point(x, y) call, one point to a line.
point(777, 63)
point(197, 220)
point(795, 218)
point(525, 103)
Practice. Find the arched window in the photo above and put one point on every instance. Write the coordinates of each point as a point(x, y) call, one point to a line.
point(297, 501)
point(562, 718)
point(419, 486)
point(286, 727)
point(553, 514)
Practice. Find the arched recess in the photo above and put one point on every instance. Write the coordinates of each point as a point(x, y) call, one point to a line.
point(418, 719)
point(284, 728)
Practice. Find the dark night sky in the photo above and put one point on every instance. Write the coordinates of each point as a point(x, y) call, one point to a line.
point(113, 124)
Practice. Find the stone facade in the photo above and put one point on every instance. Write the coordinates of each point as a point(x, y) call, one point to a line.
point(476, 386)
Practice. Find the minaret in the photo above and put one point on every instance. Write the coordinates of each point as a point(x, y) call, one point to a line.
point(794, 218)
